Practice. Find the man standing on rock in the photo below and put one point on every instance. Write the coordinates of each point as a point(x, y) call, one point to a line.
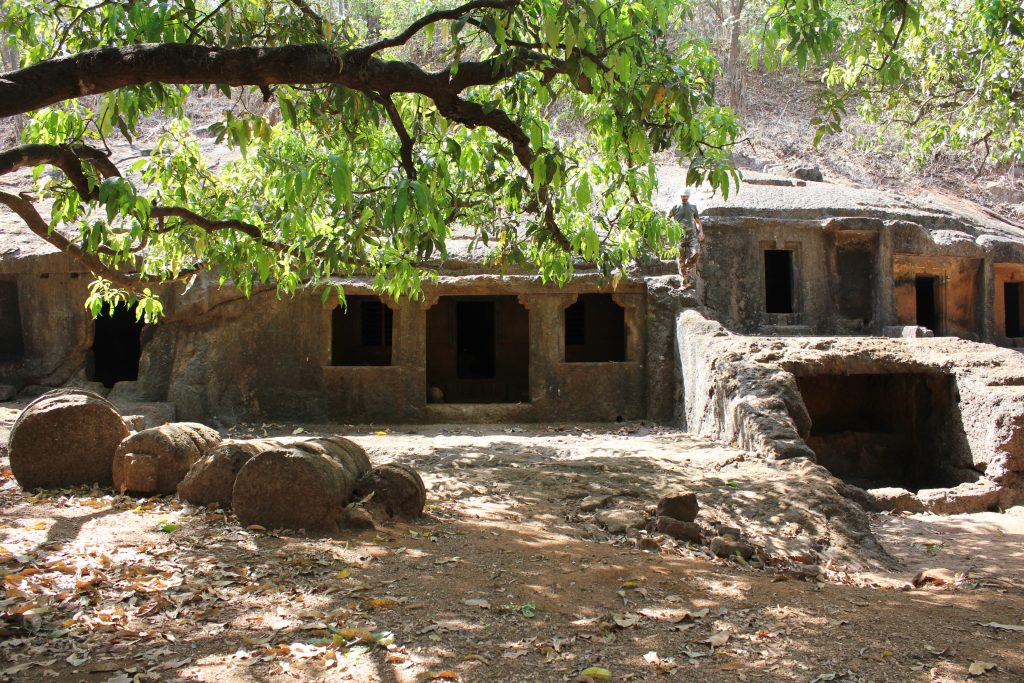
point(693, 234)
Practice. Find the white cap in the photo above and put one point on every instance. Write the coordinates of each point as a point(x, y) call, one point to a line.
point(685, 193)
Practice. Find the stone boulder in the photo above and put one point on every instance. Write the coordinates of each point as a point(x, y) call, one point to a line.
point(681, 505)
point(394, 490)
point(681, 531)
point(306, 485)
point(66, 437)
point(893, 499)
point(620, 520)
point(154, 461)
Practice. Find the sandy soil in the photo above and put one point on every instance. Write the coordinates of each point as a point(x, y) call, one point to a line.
point(505, 579)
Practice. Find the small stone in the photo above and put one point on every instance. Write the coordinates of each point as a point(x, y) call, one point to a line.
point(809, 571)
point(681, 505)
point(591, 503)
point(724, 547)
point(729, 532)
point(681, 531)
point(357, 518)
point(617, 521)
point(647, 543)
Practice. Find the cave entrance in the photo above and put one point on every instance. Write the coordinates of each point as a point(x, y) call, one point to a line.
point(778, 280)
point(877, 430)
point(1011, 306)
point(117, 346)
point(595, 330)
point(926, 290)
point(478, 350)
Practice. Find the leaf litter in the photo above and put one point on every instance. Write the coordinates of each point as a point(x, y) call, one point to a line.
point(489, 586)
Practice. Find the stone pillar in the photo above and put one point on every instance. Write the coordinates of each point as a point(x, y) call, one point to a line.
point(987, 299)
point(885, 285)
point(632, 305)
point(547, 347)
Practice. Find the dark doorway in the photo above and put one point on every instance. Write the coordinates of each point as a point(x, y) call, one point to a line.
point(478, 350)
point(926, 289)
point(886, 429)
point(12, 343)
point(474, 339)
point(361, 332)
point(117, 346)
point(1011, 307)
point(778, 280)
point(595, 330)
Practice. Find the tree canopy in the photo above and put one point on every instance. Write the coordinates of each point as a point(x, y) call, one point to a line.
point(943, 73)
point(532, 123)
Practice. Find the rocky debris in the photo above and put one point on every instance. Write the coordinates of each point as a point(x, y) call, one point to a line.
point(729, 532)
point(306, 485)
point(65, 438)
point(7, 392)
point(679, 530)
point(909, 331)
point(971, 497)
point(394, 490)
point(619, 520)
point(591, 503)
point(801, 171)
point(810, 572)
point(893, 499)
point(154, 461)
point(728, 547)
point(680, 505)
point(809, 172)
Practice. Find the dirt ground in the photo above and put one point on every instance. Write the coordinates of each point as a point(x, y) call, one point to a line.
point(507, 579)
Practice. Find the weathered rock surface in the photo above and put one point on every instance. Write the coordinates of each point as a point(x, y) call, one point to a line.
point(155, 460)
point(395, 491)
point(305, 486)
point(212, 478)
point(974, 497)
point(893, 499)
point(619, 520)
point(66, 437)
point(748, 390)
point(679, 530)
point(681, 505)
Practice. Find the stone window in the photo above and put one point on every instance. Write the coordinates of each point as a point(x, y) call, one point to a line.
point(12, 344)
point(361, 332)
point(595, 330)
point(117, 346)
point(778, 280)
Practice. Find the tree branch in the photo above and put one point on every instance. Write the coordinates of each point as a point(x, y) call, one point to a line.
point(38, 225)
point(434, 17)
point(403, 135)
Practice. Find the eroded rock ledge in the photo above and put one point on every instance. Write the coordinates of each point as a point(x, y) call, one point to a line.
point(916, 424)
